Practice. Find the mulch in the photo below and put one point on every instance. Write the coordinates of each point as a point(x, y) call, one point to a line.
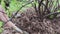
point(29, 21)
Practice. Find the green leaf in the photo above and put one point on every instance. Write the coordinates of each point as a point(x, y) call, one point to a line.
point(3, 4)
point(1, 23)
point(1, 30)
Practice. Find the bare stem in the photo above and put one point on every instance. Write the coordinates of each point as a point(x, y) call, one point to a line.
point(10, 24)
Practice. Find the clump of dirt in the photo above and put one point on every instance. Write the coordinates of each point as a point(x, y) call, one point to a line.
point(30, 22)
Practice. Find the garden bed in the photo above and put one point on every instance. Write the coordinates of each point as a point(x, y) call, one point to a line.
point(30, 22)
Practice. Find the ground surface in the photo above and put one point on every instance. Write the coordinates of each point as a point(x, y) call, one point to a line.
point(29, 21)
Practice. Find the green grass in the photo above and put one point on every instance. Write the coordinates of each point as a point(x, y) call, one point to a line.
point(1, 24)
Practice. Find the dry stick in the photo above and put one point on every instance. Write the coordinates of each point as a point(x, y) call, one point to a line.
point(5, 18)
point(35, 7)
point(46, 6)
point(53, 12)
point(39, 12)
point(15, 27)
point(50, 4)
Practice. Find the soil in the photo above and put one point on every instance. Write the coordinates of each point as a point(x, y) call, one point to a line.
point(29, 21)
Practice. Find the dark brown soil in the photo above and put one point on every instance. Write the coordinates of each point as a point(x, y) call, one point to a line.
point(29, 21)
